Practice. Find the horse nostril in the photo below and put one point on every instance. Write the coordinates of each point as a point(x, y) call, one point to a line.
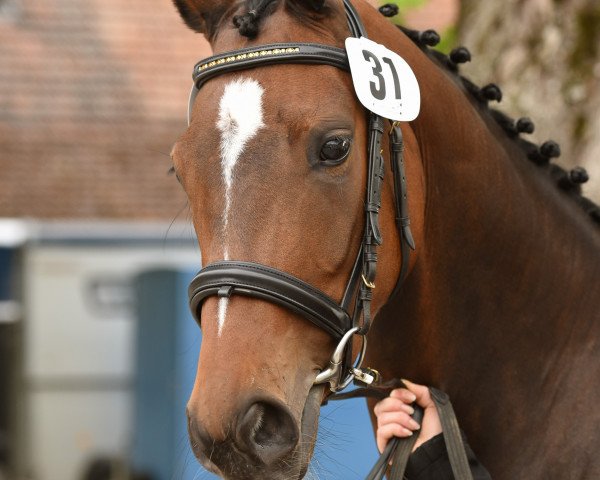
point(195, 433)
point(267, 431)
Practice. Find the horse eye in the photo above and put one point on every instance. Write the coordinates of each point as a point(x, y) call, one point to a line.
point(335, 150)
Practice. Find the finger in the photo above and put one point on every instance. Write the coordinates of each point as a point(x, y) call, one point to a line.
point(401, 418)
point(385, 433)
point(392, 405)
point(403, 394)
point(423, 397)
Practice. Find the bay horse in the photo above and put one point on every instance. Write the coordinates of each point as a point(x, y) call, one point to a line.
point(499, 305)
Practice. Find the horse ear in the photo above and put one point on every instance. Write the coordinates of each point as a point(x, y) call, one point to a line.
point(203, 16)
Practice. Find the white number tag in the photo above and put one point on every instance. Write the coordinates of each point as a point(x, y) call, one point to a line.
point(383, 81)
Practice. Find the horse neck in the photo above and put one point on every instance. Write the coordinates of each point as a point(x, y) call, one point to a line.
point(501, 308)
point(505, 259)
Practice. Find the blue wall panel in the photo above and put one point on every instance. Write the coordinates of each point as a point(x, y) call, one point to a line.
point(168, 344)
point(6, 273)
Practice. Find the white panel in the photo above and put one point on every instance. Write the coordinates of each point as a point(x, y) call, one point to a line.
point(68, 429)
point(76, 324)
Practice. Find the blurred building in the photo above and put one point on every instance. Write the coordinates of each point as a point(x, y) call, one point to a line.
point(92, 96)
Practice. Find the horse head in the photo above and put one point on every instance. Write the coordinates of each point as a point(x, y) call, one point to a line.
point(274, 166)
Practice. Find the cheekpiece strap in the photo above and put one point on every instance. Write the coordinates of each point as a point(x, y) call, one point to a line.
point(372, 235)
point(354, 22)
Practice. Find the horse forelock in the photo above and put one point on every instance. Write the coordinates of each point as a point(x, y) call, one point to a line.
point(252, 14)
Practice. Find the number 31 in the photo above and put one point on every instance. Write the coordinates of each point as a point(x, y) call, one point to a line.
point(379, 90)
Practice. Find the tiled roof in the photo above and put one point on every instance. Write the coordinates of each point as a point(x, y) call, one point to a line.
point(92, 95)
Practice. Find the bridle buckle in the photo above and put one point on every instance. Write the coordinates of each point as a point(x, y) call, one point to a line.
point(368, 284)
point(368, 376)
point(335, 375)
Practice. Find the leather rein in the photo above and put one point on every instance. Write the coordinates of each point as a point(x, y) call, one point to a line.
point(227, 278)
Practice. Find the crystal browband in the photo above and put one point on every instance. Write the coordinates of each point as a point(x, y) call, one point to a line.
point(244, 56)
point(309, 53)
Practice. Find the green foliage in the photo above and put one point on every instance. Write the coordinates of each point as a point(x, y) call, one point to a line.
point(403, 6)
point(449, 36)
point(449, 40)
point(588, 35)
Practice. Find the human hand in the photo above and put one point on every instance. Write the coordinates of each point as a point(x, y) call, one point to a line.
point(393, 415)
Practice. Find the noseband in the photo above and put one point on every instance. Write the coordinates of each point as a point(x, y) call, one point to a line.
point(227, 278)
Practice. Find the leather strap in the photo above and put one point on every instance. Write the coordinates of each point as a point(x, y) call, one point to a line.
point(398, 450)
point(372, 234)
point(452, 437)
point(353, 282)
point(260, 281)
point(268, 54)
point(374, 180)
point(407, 242)
point(258, 56)
point(354, 23)
point(404, 450)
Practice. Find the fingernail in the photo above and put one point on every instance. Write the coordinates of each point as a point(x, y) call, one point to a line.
point(412, 397)
point(414, 425)
point(411, 410)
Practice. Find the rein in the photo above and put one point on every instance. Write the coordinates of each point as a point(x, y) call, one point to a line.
point(397, 451)
point(227, 278)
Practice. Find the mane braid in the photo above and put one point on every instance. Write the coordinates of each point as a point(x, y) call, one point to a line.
point(248, 24)
point(568, 181)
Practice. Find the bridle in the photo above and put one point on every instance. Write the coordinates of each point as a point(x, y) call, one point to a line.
point(227, 278)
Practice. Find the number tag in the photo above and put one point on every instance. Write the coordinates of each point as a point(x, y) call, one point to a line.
point(383, 81)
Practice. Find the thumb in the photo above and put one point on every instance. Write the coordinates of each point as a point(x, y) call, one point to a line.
point(421, 392)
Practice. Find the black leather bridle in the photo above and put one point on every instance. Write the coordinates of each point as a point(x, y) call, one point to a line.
point(226, 278)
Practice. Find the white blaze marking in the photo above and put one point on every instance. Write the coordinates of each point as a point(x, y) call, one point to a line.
point(223, 302)
point(240, 118)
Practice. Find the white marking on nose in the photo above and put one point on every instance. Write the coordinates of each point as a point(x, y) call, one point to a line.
point(240, 119)
point(223, 302)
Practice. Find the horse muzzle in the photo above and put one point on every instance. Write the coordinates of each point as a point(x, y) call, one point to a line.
point(262, 442)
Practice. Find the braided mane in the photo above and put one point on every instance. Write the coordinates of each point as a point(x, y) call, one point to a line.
point(541, 155)
point(248, 24)
point(569, 182)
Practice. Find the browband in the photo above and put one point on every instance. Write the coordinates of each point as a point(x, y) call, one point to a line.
point(269, 54)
